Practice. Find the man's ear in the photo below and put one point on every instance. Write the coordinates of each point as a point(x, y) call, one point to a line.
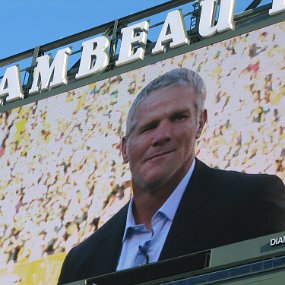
point(201, 123)
point(124, 149)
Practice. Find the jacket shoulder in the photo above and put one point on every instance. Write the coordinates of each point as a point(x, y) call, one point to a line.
point(83, 260)
point(239, 178)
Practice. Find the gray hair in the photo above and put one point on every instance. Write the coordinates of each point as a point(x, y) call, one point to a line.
point(178, 76)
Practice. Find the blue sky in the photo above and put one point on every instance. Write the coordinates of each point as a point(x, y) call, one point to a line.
point(30, 23)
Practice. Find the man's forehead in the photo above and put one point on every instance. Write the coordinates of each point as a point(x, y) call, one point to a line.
point(163, 106)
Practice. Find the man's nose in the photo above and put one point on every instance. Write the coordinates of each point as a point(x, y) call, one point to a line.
point(162, 134)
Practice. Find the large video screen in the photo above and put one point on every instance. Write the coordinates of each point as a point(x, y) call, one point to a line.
point(62, 173)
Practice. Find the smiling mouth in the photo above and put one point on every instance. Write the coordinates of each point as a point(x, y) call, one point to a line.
point(159, 155)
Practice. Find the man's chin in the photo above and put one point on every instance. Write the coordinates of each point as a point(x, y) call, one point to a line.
point(154, 182)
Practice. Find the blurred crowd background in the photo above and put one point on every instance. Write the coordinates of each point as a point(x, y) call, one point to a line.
point(62, 174)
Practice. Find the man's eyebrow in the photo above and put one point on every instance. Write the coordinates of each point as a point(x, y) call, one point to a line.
point(180, 112)
point(151, 123)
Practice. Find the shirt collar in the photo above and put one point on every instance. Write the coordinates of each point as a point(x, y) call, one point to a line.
point(169, 208)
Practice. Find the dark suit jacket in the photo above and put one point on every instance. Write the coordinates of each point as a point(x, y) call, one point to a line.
point(218, 207)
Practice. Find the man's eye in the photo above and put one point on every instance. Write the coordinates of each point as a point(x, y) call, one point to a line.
point(179, 117)
point(148, 128)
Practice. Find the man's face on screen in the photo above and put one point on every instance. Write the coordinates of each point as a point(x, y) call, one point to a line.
point(161, 145)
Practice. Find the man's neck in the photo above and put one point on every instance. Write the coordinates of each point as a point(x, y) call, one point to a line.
point(146, 204)
point(148, 201)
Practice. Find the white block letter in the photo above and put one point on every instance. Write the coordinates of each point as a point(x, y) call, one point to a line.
point(45, 70)
point(95, 56)
point(133, 35)
point(173, 31)
point(225, 21)
point(277, 7)
point(272, 242)
point(10, 86)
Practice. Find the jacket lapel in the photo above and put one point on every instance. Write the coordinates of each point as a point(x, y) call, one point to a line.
point(187, 230)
